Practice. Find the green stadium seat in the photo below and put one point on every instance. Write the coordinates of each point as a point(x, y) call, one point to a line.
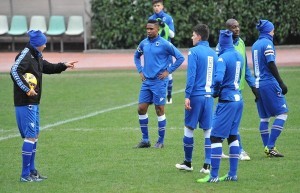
point(3, 25)
point(18, 27)
point(38, 22)
point(56, 27)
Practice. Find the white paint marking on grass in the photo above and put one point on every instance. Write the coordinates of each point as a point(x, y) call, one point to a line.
point(81, 117)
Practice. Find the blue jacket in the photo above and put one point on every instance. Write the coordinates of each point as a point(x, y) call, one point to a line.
point(228, 75)
point(202, 62)
point(263, 52)
point(156, 54)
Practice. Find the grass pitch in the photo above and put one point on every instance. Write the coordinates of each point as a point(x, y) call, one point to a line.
point(90, 125)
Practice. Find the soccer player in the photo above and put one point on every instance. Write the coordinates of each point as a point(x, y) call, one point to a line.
point(239, 45)
point(154, 75)
point(271, 101)
point(26, 100)
point(167, 31)
point(229, 109)
point(198, 96)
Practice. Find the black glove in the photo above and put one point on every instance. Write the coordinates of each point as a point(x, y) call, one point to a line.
point(283, 88)
point(255, 92)
point(161, 23)
point(216, 94)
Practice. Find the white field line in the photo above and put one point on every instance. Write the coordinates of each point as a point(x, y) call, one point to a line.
point(79, 118)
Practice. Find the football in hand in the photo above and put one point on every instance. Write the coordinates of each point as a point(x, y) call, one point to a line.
point(31, 80)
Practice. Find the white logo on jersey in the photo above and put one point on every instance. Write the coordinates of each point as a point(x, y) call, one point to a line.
point(269, 46)
point(161, 99)
point(284, 106)
point(32, 125)
point(220, 60)
point(157, 43)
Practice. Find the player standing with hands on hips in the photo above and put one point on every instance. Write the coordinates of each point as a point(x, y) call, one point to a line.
point(271, 101)
point(154, 75)
point(167, 31)
point(27, 99)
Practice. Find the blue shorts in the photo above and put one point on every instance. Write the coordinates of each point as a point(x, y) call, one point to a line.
point(271, 102)
point(201, 112)
point(153, 91)
point(227, 119)
point(28, 120)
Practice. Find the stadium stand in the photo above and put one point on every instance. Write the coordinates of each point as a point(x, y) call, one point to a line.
point(3, 25)
point(56, 28)
point(38, 22)
point(18, 27)
point(47, 8)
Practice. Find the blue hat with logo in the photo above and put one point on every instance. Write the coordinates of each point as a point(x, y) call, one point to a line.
point(225, 39)
point(264, 26)
point(36, 38)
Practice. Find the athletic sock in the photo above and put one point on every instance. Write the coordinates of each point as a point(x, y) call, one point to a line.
point(188, 146)
point(32, 160)
point(216, 153)
point(170, 87)
point(162, 122)
point(240, 143)
point(264, 132)
point(276, 131)
point(233, 157)
point(26, 157)
point(207, 146)
point(143, 119)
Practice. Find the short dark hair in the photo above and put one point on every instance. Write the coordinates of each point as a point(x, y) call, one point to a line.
point(154, 21)
point(202, 30)
point(157, 1)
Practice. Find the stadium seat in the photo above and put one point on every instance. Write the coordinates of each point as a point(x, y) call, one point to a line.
point(75, 26)
point(57, 27)
point(38, 22)
point(3, 24)
point(18, 27)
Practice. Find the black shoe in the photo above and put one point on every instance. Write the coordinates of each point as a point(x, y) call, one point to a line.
point(273, 152)
point(36, 174)
point(143, 144)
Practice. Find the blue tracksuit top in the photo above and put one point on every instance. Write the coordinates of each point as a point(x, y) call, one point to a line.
point(263, 52)
point(202, 62)
point(156, 54)
point(228, 75)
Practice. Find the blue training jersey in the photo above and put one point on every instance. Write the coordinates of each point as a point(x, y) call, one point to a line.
point(156, 54)
point(202, 61)
point(263, 52)
point(228, 75)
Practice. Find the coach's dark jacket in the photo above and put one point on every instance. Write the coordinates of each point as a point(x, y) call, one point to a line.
point(29, 60)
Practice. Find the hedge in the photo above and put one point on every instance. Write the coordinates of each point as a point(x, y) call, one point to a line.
point(120, 24)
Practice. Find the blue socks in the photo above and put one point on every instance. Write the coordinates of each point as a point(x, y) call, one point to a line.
point(26, 157)
point(264, 131)
point(276, 130)
point(143, 119)
point(162, 122)
point(32, 165)
point(233, 157)
point(188, 146)
point(216, 153)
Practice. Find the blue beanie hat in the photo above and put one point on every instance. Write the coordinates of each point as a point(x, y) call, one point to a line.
point(225, 39)
point(264, 26)
point(37, 38)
